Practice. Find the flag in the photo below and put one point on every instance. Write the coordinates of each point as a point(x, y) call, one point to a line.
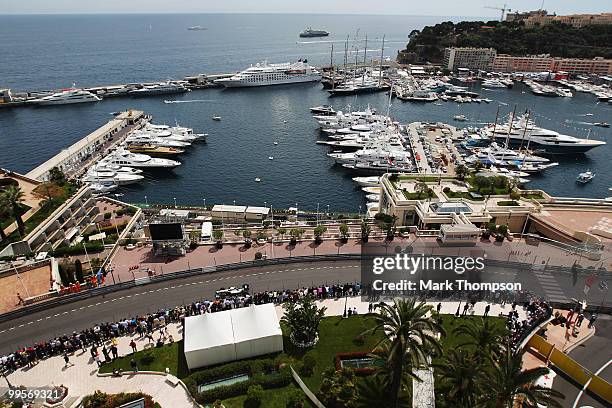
point(588, 283)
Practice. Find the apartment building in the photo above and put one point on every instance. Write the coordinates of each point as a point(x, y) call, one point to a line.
point(469, 57)
point(545, 63)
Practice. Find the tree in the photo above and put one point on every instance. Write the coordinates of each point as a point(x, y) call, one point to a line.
point(344, 231)
point(413, 337)
point(4, 213)
point(420, 187)
point(483, 335)
point(295, 400)
point(338, 388)
point(282, 231)
point(461, 378)
point(262, 235)
point(239, 232)
point(13, 198)
point(78, 270)
point(303, 318)
point(461, 171)
point(507, 381)
point(218, 236)
point(318, 232)
point(57, 176)
point(295, 234)
point(63, 275)
point(482, 182)
point(365, 231)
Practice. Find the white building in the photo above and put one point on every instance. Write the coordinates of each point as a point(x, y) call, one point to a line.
point(469, 57)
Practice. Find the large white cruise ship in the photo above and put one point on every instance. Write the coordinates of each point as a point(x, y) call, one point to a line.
point(525, 132)
point(272, 74)
point(68, 96)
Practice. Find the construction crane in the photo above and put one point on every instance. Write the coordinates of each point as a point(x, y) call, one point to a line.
point(502, 9)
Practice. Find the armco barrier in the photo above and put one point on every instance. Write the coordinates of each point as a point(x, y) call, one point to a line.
point(571, 368)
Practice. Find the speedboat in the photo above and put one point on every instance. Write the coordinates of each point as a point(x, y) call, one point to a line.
point(369, 181)
point(103, 187)
point(216, 117)
point(373, 197)
point(602, 124)
point(460, 118)
point(585, 177)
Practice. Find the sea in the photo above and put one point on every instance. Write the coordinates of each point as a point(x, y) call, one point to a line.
point(40, 52)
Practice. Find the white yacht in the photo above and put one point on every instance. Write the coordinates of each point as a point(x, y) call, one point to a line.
point(363, 155)
point(102, 165)
point(585, 177)
point(103, 187)
point(123, 157)
point(493, 83)
point(156, 140)
point(68, 96)
point(495, 154)
point(272, 74)
point(120, 179)
point(368, 181)
point(162, 88)
point(524, 132)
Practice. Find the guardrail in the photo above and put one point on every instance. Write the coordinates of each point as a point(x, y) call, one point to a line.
point(104, 290)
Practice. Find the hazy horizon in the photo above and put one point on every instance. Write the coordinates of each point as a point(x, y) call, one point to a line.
point(441, 8)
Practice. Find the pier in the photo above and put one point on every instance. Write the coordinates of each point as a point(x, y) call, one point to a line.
point(74, 159)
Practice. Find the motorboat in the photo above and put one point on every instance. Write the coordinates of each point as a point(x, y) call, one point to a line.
point(153, 150)
point(493, 83)
point(585, 177)
point(263, 74)
point(460, 118)
point(150, 138)
point(196, 28)
point(216, 118)
point(68, 96)
point(102, 187)
point(373, 197)
point(602, 124)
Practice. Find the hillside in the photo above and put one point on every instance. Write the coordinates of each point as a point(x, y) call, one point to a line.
point(558, 40)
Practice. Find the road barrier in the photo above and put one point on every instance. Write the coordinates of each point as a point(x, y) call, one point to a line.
point(571, 368)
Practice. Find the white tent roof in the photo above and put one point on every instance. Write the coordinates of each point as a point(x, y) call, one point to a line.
point(255, 322)
point(208, 331)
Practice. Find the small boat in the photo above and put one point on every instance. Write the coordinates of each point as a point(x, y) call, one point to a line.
point(275, 143)
point(196, 28)
point(270, 157)
point(460, 118)
point(257, 179)
point(216, 117)
point(585, 177)
point(323, 110)
point(602, 124)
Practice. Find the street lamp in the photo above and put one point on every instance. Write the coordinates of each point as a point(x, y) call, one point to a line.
point(174, 198)
point(204, 203)
point(146, 202)
point(328, 210)
point(234, 202)
point(359, 211)
point(317, 213)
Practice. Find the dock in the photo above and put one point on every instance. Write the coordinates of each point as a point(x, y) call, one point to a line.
point(73, 160)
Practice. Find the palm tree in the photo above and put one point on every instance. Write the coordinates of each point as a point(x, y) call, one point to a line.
point(507, 382)
point(461, 171)
point(461, 377)
point(483, 335)
point(13, 197)
point(412, 332)
point(4, 213)
point(303, 318)
point(420, 187)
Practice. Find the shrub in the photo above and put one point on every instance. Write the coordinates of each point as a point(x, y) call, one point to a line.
point(100, 399)
point(78, 249)
point(308, 365)
point(258, 256)
point(446, 190)
point(107, 215)
point(254, 396)
point(119, 213)
point(296, 399)
point(515, 195)
point(78, 270)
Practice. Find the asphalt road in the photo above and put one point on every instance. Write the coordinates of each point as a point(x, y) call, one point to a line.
point(149, 298)
point(593, 354)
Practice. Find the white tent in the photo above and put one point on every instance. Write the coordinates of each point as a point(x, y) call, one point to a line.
point(236, 334)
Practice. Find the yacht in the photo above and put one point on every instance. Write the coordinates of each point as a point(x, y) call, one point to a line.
point(460, 118)
point(495, 154)
point(151, 138)
point(123, 157)
point(602, 124)
point(163, 88)
point(323, 110)
point(585, 177)
point(493, 83)
point(272, 74)
point(153, 150)
point(103, 187)
point(103, 165)
point(368, 181)
point(309, 32)
point(120, 179)
point(525, 132)
point(564, 92)
point(68, 96)
point(196, 28)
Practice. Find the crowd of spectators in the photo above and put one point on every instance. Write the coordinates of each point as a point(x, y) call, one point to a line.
point(537, 311)
point(96, 339)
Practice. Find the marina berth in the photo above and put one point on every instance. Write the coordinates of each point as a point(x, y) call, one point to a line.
point(264, 74)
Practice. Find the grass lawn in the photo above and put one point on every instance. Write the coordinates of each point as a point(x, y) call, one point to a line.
point(463, 194)
point(508, 203)
point(336, 335)
point(417, 196)
point(154, 359)
point(530, 196)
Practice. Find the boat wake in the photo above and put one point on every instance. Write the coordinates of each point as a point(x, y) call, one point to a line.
point(190, 101)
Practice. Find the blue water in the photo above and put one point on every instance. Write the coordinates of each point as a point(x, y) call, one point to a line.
point(42, 52)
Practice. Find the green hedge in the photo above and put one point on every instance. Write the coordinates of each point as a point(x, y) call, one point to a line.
point(91, 247)
point(256, 369)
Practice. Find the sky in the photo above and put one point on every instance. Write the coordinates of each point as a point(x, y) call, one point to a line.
point(408, 7)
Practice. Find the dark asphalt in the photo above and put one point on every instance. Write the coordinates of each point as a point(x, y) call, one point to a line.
point(593, 354)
